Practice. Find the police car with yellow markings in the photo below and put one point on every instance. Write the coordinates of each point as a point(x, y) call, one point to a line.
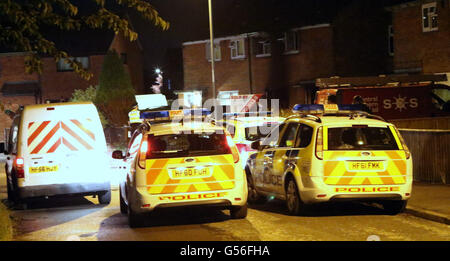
point(247, 127)
point(331, 153)
point(176, 162)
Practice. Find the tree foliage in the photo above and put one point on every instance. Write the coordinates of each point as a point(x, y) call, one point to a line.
point(88, 95)
point(23, 23)
point(115, 93)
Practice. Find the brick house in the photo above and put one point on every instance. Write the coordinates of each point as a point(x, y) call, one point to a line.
point(58, 80)
point(421, 37)
point(285, 64)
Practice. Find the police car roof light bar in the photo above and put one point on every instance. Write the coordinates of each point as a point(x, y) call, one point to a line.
point(168, 115)
point(351, 110)
point(247, 114)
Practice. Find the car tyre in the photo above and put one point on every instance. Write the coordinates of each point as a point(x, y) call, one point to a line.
point(123, 205)
point(394, 207)
point(134, 219)
point(238, 212)
point(295, 205)
point(104, 198)
point(11, 197)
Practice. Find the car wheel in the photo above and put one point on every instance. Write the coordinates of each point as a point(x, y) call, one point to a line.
point(394, 207)
point(13, 194)
point(253, 196)
point(123, 205)
point(238, 212)
point(10, 192)
point(104, 198)
point(294, 203)
point(134, 219)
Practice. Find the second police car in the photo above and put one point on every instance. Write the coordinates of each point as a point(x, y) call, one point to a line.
point(180, 163)
point(327, 154)
point(247, 127)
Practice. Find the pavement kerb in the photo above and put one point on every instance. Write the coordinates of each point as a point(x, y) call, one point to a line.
point(428, 214)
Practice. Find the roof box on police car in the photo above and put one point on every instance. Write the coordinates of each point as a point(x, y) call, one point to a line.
point(150, 101)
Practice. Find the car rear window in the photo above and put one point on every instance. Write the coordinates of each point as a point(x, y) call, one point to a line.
point(258, 132)
point(187, 145)
point(361, 138)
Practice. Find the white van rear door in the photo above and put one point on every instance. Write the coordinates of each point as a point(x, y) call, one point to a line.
point(66, 149)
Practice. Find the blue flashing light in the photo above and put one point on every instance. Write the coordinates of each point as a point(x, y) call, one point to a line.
point(321, 108)
point(308, 108)
point(166, 115)
point(155, 115)
point(194, 112)
point(247, 114)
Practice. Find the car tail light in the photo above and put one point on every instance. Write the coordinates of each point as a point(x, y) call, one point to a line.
point(233, 148)
point(243, 147)
point(143, 152)
point(319, 144)
point(19, 166)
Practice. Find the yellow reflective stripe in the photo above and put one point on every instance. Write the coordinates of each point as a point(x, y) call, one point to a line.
point(335, 171)
point(394, 132)
point(159, 181)
point(325, 138)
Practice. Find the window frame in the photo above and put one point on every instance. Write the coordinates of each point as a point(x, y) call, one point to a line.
point(390, 43)
point(429, 17)
point(217, 50)
point(234, 48)
point(62, 66)
point(285, 40)
point(133, 138)
point(265, 45)
point(286, 130)
point(298, 140)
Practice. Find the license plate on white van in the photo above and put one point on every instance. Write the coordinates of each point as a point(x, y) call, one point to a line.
point(41, 169)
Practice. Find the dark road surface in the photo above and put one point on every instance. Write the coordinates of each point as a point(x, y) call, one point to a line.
point(83, 219)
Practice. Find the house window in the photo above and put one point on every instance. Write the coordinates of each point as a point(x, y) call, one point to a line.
point(390, 40)
point(290, 42)
point(237, 48)
point(429, 17)
point(62, 66)
point(263, 48)
point(217, 53)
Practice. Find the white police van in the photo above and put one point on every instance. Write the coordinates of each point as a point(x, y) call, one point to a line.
point(57, 149)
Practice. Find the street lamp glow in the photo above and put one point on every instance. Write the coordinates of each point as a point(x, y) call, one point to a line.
point(157, 71)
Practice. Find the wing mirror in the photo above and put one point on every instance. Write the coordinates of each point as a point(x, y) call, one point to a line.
point(117, 154)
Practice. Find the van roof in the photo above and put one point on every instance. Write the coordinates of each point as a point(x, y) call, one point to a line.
point(45, 105)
